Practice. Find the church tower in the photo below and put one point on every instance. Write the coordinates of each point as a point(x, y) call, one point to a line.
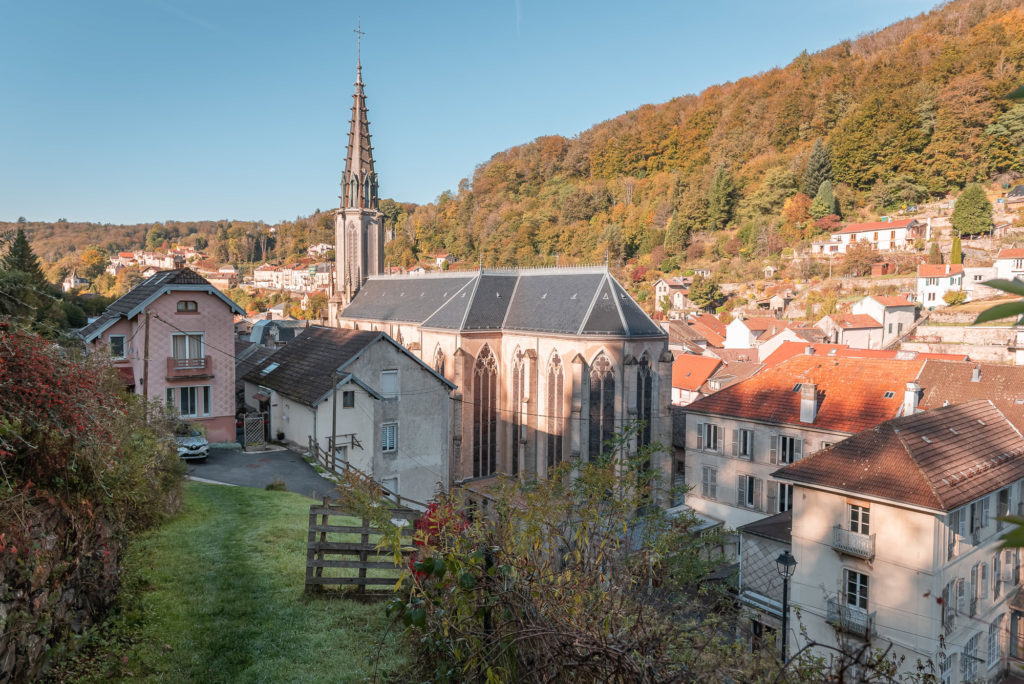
point(359, 225)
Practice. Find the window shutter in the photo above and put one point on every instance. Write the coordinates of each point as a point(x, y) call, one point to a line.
point(974, 581)
point(700, 435)
point(984, 581)
point(757, 494)
point(961, 597)
point(773, 449)
point(716, 438)
point(984, 512)
point(750, 445)
point(773, 488)
point(735, 442)
point(798, 449)
point(975, 517)
point(1007, 566)
point(741, 490)
point(961, 522)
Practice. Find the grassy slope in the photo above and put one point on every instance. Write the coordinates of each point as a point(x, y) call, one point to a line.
point(219, 595)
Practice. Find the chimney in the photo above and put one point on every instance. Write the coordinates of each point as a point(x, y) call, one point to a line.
point(809, 350)
point(808, 402)
point(976, 374)
point(910, 398)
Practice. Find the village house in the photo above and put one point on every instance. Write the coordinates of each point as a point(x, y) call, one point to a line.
point(881, 235)
point(736, 438)
point(896, 314)
point(747, 333)
point(709, 327)
point(267, 277)
point(187, 326)
point(1010, 263)
point(896, 536)
point(975, 278)
point(935, 280)
point(855, 330)
point(320, 249)
point(689, 373)
point(390, 414)
point(684, 338)
point(673, 292)
point(73, 282)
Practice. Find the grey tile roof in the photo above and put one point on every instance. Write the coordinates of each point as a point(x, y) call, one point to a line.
point(570, 301)
point(286, 331)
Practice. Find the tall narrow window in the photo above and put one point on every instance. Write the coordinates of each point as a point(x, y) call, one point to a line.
point(856, 590)
point(485, 414)
point(554, 411)
point(644, 398)
point(602, 405)
point(518, 378)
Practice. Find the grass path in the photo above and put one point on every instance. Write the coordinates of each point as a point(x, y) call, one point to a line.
point(216, 595)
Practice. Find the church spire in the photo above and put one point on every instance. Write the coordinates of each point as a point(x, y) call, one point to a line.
point(359, 182)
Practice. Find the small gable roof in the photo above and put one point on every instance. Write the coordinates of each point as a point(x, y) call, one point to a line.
point(939, 270)
point(690, 371)
point(939, 459)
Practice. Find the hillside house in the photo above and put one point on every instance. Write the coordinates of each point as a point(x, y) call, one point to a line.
point(746, 333)
point(855, 330)
point(935, 280)
point(390, 413)
point(896, 314)
point(1009, 263)
point(674, 291)
point(73, 282)
point(897, 541)
point(883, 236)
point(736, 438)
point(189, 327)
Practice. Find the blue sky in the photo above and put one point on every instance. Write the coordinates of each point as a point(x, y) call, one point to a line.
point(124, 111)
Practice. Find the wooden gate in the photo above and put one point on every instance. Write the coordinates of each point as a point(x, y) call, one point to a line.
point(349, 551)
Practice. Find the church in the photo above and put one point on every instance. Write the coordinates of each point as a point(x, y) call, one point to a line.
point(548, 362)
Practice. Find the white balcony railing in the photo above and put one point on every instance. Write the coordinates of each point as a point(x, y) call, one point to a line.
point(191, 363)
point(853, 543)
point(849, 619)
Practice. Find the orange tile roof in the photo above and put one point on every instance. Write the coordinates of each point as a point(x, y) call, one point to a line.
point(851, 392)
point(709, 334)
point(938, 270)
point(876, 225)
point(893, 301)
point(1011, 253)
point(711, 322)
point(788, 350)
point(854, 321)
point(126, 255)
point(690, 371)
point(939, 459)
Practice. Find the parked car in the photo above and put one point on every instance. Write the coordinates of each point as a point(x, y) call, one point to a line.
point(191, 443)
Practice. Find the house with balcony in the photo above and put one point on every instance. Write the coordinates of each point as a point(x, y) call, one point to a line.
point(885, 236)
point(737, 437)
point(935, 280)
point(896, 534)
point(172, 339)
point(365, 397)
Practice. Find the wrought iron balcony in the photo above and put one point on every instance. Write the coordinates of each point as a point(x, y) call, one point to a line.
point(849, 619)
point(853, 543)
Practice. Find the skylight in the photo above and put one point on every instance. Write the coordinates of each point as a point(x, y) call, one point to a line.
point(926, 440)
point(889, 395)
point(796, 387)
point(270, 368)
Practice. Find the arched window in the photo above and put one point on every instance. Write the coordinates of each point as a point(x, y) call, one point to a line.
point(554, 411)
point(644, 398)
point(485, 414)
point(602, 405)
point(439, 360)
point(518, 390)
point(353, 192)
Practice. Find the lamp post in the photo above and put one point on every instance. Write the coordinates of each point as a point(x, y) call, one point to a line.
point(786, 565)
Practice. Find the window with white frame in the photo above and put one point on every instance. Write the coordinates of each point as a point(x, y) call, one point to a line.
point(780, 497)
point(389, 437)
point(117, 346)
point(743, 444)
point(860, 519)
point(856, 593)
point(785, 449)
point(348, 399)
point(190, 402)
point(997, 576)
point(748, 492)
point(995, 641)
point(956, 522)
point(708, 436)
point(709, 482)
point(983, 581)
point(969, 658)
point(187, 345)
point(389, 384)
point(979, 518)
point(1002, 507)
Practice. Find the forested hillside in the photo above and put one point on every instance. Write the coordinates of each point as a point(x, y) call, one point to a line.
point(913, 111)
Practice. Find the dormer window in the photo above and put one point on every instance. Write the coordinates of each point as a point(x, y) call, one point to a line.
point(187, 306)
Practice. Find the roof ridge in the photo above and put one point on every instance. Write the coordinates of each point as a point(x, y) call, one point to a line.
point(446, 302)
point(913, 459)
point(472, 297)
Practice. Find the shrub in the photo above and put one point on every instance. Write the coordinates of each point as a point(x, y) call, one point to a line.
point(954, 297)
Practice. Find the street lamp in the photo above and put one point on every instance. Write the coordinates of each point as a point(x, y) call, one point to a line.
point(786, 565)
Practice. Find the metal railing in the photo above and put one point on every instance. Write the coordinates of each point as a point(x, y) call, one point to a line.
point(851, 620)
point(853, 543)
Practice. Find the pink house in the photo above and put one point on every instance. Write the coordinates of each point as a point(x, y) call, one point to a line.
point(172, 339)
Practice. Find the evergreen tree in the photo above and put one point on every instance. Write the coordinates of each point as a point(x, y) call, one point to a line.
point(818, 170)
point(956, 257)
point(676, 234)
point(704, 292)
point(20, 257)
point(825, 202)
point(721, 196)
point(973, 212)
point(935, 256)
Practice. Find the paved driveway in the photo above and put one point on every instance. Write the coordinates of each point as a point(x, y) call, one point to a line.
point(237, 467)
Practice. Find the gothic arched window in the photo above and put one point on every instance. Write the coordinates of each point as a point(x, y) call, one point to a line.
point(644, 398)
point(602, 405)
point(554, 411)
point(439, 361)
point(518, 390)
point(353, 192)
point(485, 414)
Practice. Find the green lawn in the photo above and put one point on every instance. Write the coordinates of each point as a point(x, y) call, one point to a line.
point(216, 595)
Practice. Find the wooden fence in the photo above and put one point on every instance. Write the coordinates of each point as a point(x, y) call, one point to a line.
point(330, 547)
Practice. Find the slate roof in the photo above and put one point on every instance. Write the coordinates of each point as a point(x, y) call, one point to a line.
point(131, 303)
point(689, 371)
point(875, 225)
point(569, 301)
point(287, 330)
point(950, 381)
point(851, 392)
point(939, 459)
